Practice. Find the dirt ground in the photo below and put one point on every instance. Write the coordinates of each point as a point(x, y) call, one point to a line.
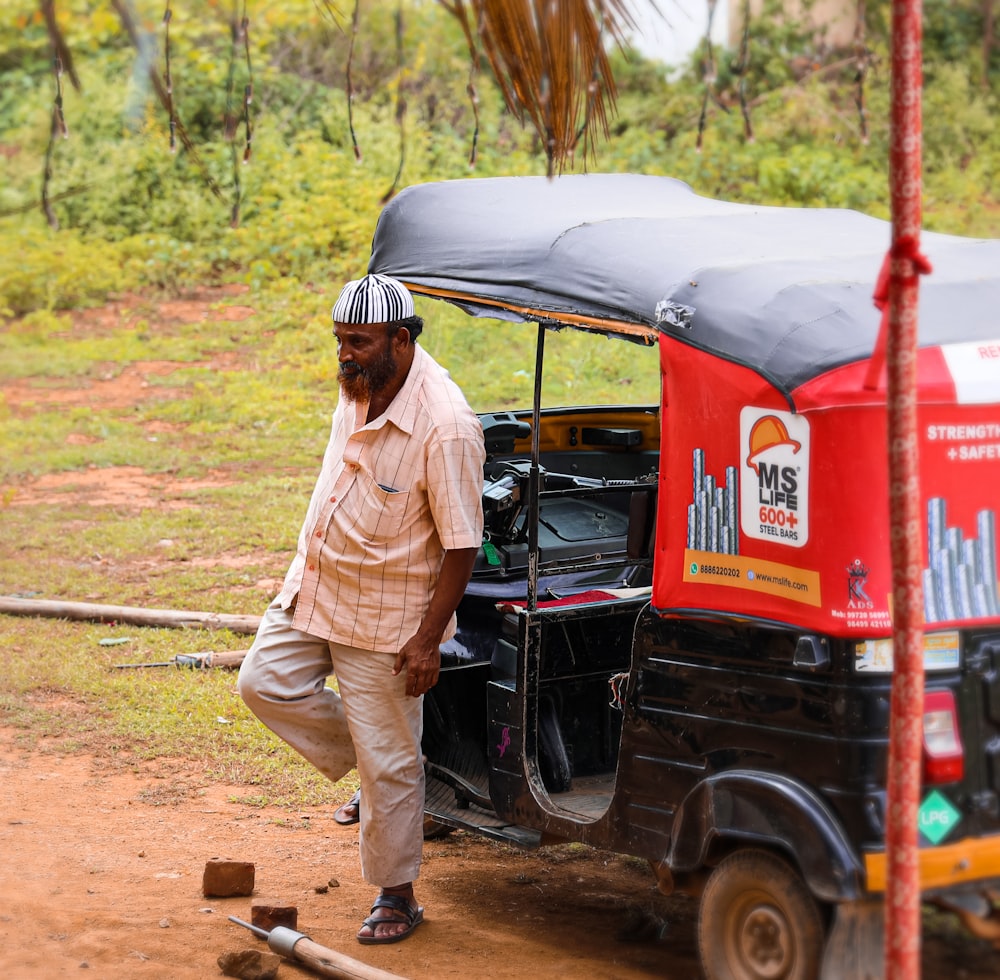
point(103, 872)
point(102, 866)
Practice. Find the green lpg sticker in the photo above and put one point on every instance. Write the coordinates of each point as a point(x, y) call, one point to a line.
point(937, 817)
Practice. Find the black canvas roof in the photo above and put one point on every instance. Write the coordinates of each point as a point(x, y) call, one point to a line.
point(785, 291)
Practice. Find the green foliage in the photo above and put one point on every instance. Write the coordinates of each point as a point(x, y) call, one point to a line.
point(781, 49)
point(953, 33)
point(43, 270)
point(135, 216)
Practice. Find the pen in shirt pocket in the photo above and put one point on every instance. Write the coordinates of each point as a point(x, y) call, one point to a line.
point(382, 486)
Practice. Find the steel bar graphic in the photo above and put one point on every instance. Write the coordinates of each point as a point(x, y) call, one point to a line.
point(960, 581)
point(713, 514)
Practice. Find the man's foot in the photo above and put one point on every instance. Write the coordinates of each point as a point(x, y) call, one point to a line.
point(350, 812)
point(394, 916)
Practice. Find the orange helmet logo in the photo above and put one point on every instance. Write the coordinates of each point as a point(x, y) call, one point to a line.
point(767, 433)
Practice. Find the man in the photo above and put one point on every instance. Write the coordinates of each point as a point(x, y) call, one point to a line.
point(383, 558)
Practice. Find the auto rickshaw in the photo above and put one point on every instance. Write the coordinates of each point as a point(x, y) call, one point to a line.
point(677, 640)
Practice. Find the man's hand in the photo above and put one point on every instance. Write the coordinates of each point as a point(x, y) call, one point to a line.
point(421, 653)
point(422, 662)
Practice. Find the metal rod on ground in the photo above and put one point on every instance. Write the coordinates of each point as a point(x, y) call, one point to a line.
point(297, 946)
point(133, 615)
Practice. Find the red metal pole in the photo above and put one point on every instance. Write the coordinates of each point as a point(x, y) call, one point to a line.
point(902, 908)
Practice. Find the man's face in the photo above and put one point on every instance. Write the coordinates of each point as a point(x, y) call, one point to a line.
point(367, 361)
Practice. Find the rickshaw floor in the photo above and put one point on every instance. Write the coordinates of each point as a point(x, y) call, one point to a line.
point(588, 796)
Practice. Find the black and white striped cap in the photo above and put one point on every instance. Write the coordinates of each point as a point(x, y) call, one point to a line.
point(373, 299)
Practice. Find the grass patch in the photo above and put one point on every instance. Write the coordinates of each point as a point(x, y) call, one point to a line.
point(66, 693)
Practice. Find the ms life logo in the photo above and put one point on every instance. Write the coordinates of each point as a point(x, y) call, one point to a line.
point(774, 478)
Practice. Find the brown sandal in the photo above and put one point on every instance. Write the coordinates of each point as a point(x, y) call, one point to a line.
point(404, 914)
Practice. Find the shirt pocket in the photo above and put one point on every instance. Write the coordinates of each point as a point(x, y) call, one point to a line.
point(380, 514)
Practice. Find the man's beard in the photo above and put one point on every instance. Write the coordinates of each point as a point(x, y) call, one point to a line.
point(358, 384)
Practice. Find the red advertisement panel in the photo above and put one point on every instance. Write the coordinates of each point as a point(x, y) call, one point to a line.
point(782, 515)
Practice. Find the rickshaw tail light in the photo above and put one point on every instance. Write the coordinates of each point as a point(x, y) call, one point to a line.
point(944, 757)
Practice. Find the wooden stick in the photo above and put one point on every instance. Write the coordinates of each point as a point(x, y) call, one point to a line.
point(328, 963)
point(297, 946)
point(134, 615)
point(197, 661)
point(225, 658)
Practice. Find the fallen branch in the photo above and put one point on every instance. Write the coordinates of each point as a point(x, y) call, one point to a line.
point(134, 615)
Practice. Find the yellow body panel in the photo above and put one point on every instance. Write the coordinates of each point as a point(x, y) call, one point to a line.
point(971, 859)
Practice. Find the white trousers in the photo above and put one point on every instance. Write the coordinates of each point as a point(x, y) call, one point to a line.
point(371, 724)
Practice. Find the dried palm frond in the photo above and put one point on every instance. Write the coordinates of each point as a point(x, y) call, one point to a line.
point(550, 61)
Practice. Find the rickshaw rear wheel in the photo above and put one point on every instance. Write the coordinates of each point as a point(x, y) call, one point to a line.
point(758, 921)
